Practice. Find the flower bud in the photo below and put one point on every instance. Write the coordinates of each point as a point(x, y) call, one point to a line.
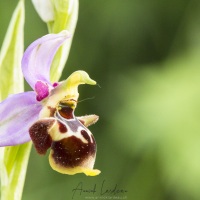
point(44, 9)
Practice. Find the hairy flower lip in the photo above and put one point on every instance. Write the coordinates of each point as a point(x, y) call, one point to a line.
point(73, 147)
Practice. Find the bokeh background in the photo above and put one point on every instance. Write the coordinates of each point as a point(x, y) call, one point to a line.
point(145, 55)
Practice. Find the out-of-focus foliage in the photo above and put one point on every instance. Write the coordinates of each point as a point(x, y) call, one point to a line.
point(145, 55)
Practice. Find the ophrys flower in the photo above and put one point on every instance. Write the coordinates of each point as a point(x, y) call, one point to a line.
point(46, 115)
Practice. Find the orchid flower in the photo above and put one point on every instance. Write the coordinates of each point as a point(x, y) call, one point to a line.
point(46, 115)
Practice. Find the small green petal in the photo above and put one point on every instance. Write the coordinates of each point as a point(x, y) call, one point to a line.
point(88, 120)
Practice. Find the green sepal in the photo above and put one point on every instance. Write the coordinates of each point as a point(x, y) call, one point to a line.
point(65, 18)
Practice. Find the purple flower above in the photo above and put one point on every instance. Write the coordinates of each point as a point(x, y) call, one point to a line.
point(46, 115)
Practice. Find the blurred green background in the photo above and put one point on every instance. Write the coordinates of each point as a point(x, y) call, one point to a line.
point(145, 55)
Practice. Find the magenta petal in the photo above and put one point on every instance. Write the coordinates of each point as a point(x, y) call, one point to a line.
point(38, 57)
point(17, 114)
point(42, 90)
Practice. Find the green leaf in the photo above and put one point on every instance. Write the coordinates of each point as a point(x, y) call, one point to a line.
point(11, 79)
point(13, 160)
point(13, 170)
